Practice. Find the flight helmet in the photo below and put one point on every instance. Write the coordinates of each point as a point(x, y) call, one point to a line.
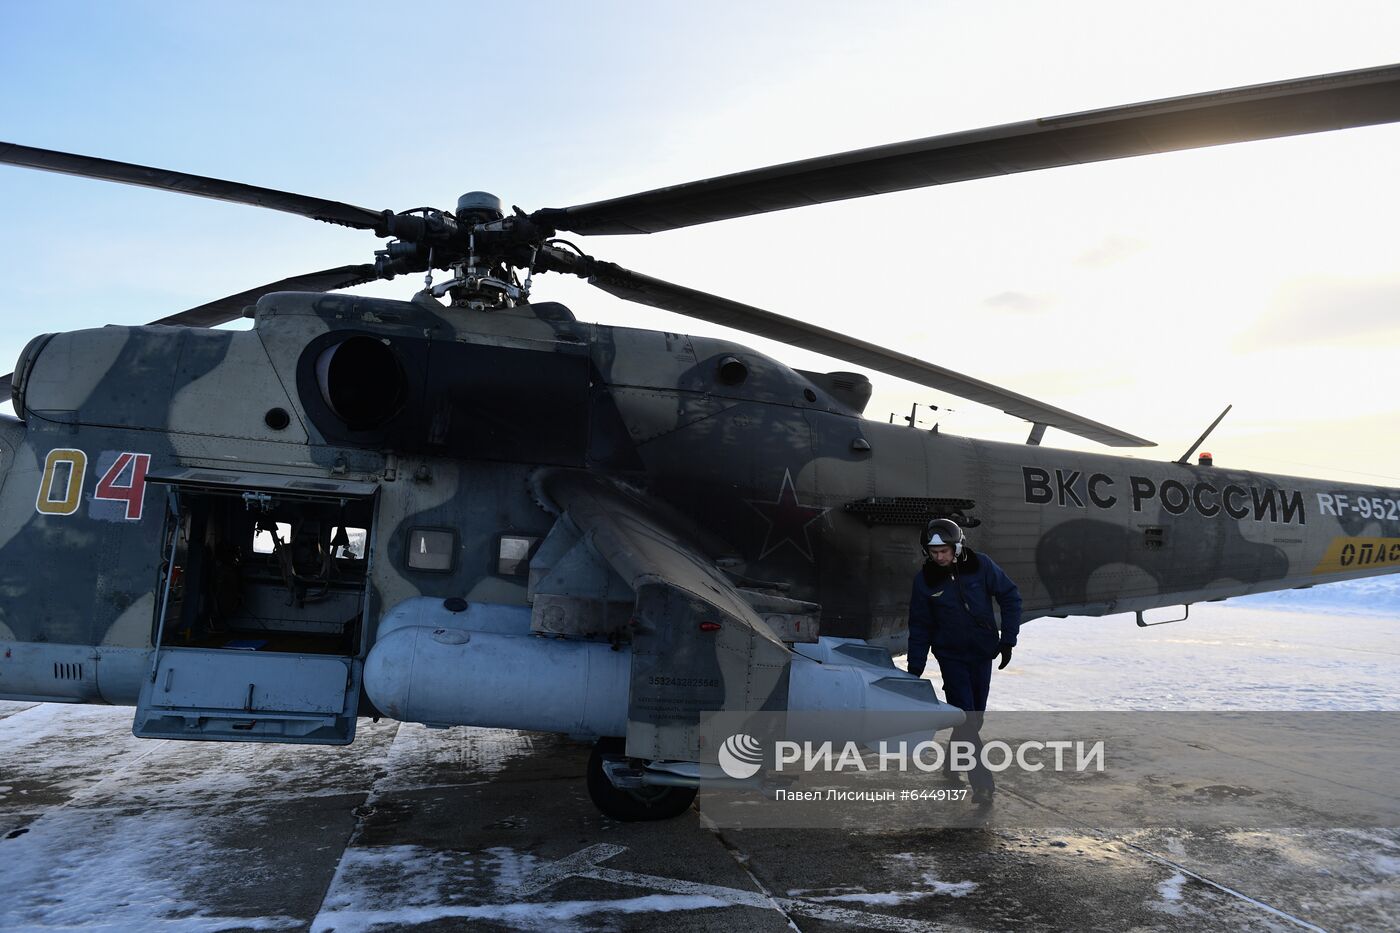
point(944, 531)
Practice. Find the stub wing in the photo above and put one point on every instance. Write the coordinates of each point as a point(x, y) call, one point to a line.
point(697, 645)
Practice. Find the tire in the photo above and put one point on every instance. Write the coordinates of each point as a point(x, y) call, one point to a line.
point(632, 806)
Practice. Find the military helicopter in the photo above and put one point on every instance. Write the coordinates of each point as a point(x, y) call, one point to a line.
point(470, 508)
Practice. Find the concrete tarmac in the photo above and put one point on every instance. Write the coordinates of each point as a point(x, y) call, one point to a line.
point(480, 829)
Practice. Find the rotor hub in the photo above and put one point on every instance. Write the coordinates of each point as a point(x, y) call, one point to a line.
point(478, 207)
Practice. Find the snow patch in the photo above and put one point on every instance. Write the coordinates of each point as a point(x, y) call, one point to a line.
point(1170, 890)
point(417, 876)
point(886, 899)
point(543, 916)
point(894, 898)
point(419, 755)
point(1169, 896)
point(93, 870)
point(1385, 864)
point(950, 888)
point(931, 887)
point(511, 867)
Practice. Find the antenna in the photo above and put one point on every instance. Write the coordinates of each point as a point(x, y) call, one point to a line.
point(1204, 434)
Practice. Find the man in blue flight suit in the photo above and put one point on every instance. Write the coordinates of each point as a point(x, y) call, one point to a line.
point(951, 612)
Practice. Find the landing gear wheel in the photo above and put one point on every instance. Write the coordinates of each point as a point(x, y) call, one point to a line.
point(632, 806)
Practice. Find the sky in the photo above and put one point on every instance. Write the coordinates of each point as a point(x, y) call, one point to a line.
point(1145, 293)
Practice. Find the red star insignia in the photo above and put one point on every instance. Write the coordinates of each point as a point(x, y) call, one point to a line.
point(788, 520)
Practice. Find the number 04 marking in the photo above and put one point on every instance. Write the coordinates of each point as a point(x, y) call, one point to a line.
point(133, 493)
point(61, 486)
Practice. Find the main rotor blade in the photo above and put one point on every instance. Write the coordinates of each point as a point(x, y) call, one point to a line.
point(67, 163)
point(643, 289)
point(231, 307)
point(1261, 111)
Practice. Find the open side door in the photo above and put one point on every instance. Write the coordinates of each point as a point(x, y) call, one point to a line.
point(260, 626)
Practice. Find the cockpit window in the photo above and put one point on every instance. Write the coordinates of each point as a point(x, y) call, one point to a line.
point(513, 555)
point(432, 549)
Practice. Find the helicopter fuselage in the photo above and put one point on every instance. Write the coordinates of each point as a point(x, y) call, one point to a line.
point(284, 488)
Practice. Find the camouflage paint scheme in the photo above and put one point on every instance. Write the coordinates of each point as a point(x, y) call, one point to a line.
point(715, 482)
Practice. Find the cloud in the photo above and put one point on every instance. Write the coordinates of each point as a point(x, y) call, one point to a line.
point(1016, 301)
point(1069, 382)
point(1111, 251)
point(1328, 310)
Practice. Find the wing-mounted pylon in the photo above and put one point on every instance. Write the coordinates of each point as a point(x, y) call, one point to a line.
point(698, 644)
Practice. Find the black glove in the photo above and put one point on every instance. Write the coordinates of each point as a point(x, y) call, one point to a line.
point(917, 673)
point(1005, 657)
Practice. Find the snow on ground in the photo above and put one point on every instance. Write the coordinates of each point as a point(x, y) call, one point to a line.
point(78, 742)
point(1378, 596)
point(88, 869)
point(935, 888)
point(520, 915)
point(1226, 656)
point(1169, 894)
point(418, 753)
